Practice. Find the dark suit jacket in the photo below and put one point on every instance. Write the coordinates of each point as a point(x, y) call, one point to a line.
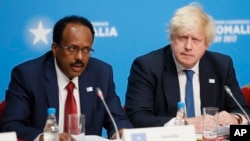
point(33, 88)
point(153, 87)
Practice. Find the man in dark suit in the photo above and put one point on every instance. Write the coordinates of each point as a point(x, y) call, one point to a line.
point(157, 80)
point(40, 83)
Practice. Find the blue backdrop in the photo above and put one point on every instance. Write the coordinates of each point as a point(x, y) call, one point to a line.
point(125, 29)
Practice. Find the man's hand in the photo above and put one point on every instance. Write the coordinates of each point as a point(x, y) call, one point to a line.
point(120, 134)
point(197, 122)
point(226, 119)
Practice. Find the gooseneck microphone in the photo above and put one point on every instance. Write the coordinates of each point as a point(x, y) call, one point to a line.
point(100, 94)
point(228, 91)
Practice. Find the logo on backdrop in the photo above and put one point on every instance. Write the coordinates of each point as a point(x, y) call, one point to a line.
point(102, 29)
point(40, 33)
point(230, 31)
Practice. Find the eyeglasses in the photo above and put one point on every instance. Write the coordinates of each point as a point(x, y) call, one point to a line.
point(75, 49)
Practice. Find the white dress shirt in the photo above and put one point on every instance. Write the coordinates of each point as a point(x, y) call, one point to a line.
point(196, 85)
point(62, 82)
point(196, 90)
point(182, 83)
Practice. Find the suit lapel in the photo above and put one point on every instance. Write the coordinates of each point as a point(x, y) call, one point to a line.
point(170, 82)
point(51, 86)
point(87, 93)
point(207, 83)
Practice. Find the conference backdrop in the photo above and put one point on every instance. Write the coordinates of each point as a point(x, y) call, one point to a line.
point(125, 29)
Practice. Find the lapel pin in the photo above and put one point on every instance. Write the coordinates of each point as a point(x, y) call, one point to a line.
point(211, 80)
point(89, 89)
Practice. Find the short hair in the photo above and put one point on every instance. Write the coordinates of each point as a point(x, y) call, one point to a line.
point(189, 17)
point(61, 24)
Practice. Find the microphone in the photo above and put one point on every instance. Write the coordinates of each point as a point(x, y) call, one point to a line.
point(100, 94)
point(228, 91)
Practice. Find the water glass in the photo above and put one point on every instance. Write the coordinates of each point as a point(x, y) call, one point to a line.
point(76, 126)
point(210, 123)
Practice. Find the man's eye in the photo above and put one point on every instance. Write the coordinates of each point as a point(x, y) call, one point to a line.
point(72, 48)
point(86, 50)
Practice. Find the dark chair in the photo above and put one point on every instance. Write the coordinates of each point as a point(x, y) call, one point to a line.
point(2, 105)
point(246, 92)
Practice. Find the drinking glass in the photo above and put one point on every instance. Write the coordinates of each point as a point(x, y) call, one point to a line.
point(76, 126)
point(210, 123)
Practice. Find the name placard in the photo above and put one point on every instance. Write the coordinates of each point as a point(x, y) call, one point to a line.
point(8, 136)
point(169, 133)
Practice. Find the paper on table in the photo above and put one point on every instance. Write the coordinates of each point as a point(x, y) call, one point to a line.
point(83, 137)
point(222, 131)
point(199, 137)
point(80, 137)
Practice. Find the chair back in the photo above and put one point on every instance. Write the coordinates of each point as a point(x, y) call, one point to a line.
point(246, 92)
point(2, 105)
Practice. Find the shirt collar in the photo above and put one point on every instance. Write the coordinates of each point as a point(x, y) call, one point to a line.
point(180, 68)
point(63, 80)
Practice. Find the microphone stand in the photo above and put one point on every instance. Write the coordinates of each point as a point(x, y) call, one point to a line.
point(100, 94)
point(228, 91)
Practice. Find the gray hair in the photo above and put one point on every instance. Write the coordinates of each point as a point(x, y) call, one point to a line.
point(190, 17)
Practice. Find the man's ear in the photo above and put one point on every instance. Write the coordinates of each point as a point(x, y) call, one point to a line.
point(53, 48)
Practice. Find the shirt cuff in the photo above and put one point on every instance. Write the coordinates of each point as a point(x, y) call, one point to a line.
point(243, 119)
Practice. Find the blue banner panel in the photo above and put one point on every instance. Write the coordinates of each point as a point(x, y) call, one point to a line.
point(125, 29)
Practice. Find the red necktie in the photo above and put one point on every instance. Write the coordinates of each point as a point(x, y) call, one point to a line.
point(70, 105)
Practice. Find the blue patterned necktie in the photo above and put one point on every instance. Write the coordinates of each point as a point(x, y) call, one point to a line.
point(189, 93)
